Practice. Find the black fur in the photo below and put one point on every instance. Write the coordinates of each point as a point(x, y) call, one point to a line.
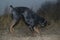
point(30, 18)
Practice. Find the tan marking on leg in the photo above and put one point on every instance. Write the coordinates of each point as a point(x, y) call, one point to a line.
point(36, 29)
point(12, 25)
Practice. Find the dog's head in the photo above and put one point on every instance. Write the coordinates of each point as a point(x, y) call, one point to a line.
point(45, 24)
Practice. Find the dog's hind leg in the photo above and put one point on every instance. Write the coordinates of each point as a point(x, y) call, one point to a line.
point(12, 26)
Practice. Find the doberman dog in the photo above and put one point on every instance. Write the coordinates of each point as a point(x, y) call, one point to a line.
point(30, 18)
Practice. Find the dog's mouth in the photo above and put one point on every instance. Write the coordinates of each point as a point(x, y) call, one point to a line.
point(45, 24)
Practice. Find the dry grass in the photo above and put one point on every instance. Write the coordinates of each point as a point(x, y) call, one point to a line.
point(22, 33)
point(6, 20)
point(50, 11)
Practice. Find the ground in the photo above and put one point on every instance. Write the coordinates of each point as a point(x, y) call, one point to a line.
point(51, 32)
point(23, 33)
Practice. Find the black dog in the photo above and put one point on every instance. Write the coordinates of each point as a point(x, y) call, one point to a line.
point(30, 18)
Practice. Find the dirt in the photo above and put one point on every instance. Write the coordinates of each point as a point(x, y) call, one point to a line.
point(23, 33)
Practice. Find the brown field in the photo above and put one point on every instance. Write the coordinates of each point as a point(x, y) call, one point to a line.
point(23, 33)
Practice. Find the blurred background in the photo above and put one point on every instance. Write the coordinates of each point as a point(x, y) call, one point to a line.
point(49, 9)
point(35, 4)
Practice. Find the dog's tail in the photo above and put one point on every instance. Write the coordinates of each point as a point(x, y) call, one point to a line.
point(11, 6)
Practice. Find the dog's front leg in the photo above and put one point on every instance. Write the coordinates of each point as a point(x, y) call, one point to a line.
point(36, 29)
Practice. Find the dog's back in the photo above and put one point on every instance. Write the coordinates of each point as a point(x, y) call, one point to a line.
point(17, 11)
